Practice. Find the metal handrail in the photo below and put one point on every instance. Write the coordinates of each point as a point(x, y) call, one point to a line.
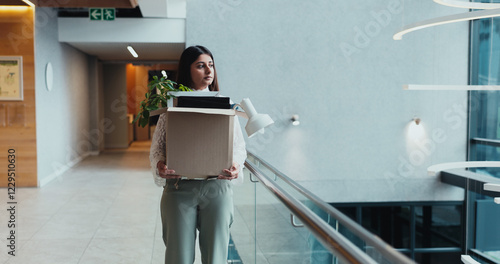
point(385, 249)
point(485, 141)
point(326, 235)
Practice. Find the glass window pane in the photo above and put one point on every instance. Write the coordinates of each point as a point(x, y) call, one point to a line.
point(390, 223)
point(487, 153)
point(485, 70)
point(438, 226)
point(441, 258)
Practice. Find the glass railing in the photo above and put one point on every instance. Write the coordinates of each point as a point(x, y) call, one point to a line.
point(482, 212)
point(278, 221)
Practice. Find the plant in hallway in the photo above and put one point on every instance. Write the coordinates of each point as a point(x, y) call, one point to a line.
point(159, 92)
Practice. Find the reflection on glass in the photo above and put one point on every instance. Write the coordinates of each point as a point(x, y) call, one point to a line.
point(484, 117)
point(279, 241)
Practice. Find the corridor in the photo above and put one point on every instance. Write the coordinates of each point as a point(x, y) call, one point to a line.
point(103, 210)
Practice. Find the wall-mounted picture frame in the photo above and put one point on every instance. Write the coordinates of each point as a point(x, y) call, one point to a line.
point(11, 78)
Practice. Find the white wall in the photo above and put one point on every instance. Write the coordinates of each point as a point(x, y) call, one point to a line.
point(62, 114)
point(334, 63)
point(131, 30)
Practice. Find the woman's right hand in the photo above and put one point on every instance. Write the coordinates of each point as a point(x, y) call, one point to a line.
point(165, 173)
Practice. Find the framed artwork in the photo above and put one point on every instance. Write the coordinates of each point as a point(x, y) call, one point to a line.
point(11, 78)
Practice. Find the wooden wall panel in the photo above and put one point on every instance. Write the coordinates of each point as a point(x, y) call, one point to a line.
point(17, 39)
point(141, 87)
point(131, 87)
point(136, 95)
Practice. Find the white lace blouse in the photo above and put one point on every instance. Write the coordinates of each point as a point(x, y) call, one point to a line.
point(158, 147)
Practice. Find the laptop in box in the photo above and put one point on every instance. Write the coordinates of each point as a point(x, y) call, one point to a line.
point(204, 102)
point(176, 95)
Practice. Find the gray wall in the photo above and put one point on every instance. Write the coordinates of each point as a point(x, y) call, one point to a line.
point(115, 122)
point(62, 115)
point(98, 122)
point(334, 63)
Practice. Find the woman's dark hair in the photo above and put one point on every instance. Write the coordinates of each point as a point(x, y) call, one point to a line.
point(188, 56)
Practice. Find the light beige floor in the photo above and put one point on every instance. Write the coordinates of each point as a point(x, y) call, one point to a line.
point(106, 210)
point(103, 210)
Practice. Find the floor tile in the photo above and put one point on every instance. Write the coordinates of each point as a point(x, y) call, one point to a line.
point(67, 251)
point(118, 250)
point(158, 251)
point(132, 225)
point(106, 210)
point(78, 226)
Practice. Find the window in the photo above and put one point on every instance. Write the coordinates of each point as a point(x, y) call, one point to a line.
point(484, 135)
point(484, 107)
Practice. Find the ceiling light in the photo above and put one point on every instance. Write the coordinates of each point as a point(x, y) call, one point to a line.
point(467, 4)
point(488, 13)
point(493, 187)
point(435, 169)
point(29, 3)
point(132, 51)
point(451, 87)
point(466, 259)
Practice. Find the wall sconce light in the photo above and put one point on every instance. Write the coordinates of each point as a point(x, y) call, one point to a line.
point(132, 51)
point(295, 120)
point(416, 120)
point(491, 10)
point(256, 122)
point(415, 130)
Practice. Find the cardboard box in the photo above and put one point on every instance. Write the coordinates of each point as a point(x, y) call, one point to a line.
point(199, 141)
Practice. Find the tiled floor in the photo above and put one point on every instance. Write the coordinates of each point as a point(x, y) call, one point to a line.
point(106, 210)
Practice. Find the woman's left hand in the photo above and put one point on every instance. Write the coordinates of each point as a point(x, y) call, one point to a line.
point(232, 173)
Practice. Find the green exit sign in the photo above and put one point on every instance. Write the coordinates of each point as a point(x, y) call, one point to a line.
point(102, 13)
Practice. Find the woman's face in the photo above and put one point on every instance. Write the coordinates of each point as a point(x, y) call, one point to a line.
point(202, 72)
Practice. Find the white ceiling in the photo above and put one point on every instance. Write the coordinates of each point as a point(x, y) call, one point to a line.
point(106, 40)
point(117, 52)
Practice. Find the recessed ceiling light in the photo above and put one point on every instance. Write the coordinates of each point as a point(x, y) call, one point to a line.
point(132, 51)
point(29, 3)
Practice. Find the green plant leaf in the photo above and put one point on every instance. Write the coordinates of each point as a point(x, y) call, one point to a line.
point(164, 101)
point(136, 118)
point(156, 99)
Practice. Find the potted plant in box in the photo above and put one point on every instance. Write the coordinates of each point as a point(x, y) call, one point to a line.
point(157, 97)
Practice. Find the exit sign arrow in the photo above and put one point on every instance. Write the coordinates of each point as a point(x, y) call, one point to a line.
point(95, 13)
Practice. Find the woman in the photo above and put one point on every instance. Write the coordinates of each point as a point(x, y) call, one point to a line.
point(187, 205)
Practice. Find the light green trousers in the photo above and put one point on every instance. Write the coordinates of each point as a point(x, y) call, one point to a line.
point(203, 205)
